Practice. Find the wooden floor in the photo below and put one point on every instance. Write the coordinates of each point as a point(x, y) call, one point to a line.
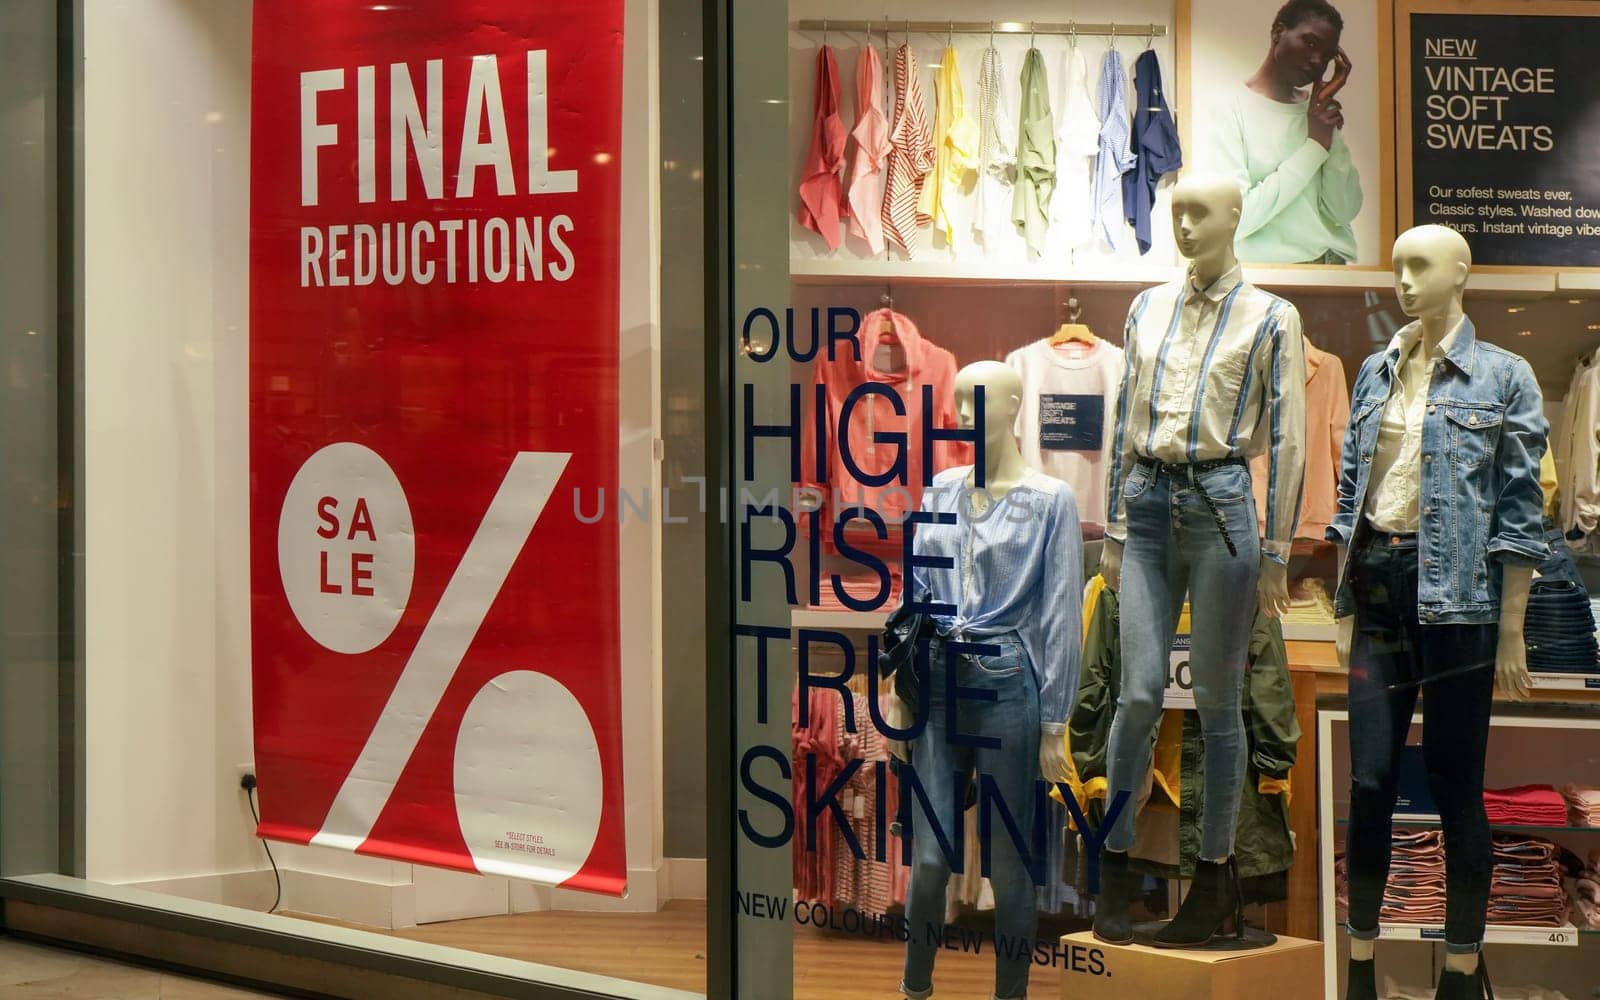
point(668, 949)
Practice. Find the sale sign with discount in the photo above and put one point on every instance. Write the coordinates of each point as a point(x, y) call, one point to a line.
point(433, 387)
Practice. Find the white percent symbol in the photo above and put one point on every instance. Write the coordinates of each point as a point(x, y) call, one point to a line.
point(527, 758)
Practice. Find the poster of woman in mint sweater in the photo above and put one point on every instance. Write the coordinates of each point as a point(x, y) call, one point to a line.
point(1293, 124)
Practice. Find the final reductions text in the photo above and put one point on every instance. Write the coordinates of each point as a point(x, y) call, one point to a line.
point(469, 249)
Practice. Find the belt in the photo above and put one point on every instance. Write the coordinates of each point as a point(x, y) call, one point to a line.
point(1390, 540)
point(1192, 472)
point(1184, 469)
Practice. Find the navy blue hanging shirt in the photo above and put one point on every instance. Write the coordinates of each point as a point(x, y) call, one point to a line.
point(1155, 146)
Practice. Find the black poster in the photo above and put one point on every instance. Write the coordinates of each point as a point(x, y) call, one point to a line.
point(1505, 134)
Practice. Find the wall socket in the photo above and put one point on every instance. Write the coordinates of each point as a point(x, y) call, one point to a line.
point(240, 770)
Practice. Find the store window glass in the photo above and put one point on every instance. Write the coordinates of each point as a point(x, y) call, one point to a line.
point(359, 516)
point(1160, 442)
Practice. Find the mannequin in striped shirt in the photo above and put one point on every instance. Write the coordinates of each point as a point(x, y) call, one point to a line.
point(1214, 372)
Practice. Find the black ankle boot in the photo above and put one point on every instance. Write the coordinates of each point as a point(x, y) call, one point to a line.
point(1111, 922)
point(1472, 985)
point(1361, 980)
point(1459, 986)
point(1212, 905)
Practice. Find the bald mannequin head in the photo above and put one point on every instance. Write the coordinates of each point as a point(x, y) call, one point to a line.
point(1431, 266)
point(1205, 216)
point(1002, 398)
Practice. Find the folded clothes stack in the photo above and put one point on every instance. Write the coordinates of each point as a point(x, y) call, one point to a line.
point(1559, 626)
point(1586, 894)
point(1527, 889)
point(1415, 893)
point(1583, 805)
point(1309, 603)
point(1526, 805)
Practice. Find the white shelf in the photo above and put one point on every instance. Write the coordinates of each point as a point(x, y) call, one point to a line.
point(868, 621)
point(1561, 937)
point(1525, 727)
point(824, 270)
point(1578, 281)
point(1566, 682)
point(1115, 271)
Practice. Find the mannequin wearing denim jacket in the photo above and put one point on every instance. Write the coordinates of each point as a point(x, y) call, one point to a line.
point(1439, 524)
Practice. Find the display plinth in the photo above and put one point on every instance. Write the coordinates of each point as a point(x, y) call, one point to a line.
point(1253, 938)
point(1289, 967)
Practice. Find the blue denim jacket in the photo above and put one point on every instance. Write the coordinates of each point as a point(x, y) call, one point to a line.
point(1483, 434)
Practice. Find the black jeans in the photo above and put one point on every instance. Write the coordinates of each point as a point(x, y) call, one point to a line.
point(1392, 659)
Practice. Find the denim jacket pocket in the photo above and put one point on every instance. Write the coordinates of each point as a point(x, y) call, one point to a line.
point(1474, 434)
point(1364, 418)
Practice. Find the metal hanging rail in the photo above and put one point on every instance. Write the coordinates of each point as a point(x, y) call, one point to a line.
point(901, 26)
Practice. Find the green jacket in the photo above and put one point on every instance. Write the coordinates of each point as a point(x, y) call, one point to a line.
point(1262, 844)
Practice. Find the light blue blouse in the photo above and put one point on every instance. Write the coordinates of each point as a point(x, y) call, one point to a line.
point(1018, 567)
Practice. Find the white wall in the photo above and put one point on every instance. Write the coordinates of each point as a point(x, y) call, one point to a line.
point(166, 228)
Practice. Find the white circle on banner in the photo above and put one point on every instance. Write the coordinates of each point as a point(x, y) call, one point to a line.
point(346, 548)
point(528, 781)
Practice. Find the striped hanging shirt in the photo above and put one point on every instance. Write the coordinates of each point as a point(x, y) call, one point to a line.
point(910, 154)
point(1212, 373)
point(1116, 151)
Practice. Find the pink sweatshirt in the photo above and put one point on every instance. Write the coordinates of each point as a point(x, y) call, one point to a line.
point(925, 364)
point(1327, 413)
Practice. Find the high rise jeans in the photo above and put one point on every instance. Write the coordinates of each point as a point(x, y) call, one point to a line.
point(1392, 659)
point(983, 726)
point(1175, 547)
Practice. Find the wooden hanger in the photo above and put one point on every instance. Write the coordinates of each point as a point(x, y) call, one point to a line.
point(886, 328)
point(1072, 330)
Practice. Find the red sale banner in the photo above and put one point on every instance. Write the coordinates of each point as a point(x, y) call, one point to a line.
point(433, 381)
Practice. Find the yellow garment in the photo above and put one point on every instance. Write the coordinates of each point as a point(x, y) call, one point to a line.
point(1550, 483)
point(955, 143)
point(1275, 786)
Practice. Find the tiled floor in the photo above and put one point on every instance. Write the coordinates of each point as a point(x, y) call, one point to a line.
point(32, 972)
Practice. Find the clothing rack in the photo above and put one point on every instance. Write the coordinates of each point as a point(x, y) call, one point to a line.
point(1146, 30)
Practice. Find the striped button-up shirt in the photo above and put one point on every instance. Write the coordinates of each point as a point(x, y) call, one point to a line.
point(1212, 373)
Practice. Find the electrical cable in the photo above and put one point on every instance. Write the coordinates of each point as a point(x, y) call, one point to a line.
point(277, 879)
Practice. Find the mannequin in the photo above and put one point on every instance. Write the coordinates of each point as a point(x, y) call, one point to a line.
point(1000, 560)
point(1441, 423)
point(1215, 371)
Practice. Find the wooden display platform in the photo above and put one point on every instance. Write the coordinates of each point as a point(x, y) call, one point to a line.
point(1290, 967)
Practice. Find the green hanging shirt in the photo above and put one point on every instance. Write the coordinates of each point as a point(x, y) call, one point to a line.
point(1036, 156)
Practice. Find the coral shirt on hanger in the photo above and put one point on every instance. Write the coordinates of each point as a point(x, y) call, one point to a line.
point(894, 357)
point(820, 195)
